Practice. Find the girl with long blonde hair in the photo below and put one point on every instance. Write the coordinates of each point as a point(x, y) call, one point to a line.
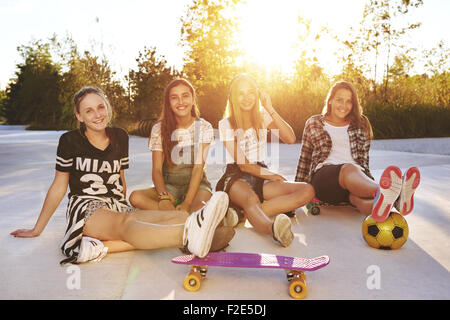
point(252, 187)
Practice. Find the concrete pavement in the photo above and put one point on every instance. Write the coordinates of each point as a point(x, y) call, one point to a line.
point(30, 269)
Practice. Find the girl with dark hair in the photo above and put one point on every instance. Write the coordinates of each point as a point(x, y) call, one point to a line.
point(335, 159)
point(179, 142)
point(91, 161)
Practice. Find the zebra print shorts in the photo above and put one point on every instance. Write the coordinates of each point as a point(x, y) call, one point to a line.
point(79, 209)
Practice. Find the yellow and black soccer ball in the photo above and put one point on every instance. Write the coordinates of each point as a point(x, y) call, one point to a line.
point(392, 233)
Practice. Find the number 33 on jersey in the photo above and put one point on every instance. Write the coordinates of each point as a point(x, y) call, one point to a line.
point(93, 171)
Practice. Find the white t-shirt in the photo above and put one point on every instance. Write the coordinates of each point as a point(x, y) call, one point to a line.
point(253, 148)
point(340, 149)
point(185, 137)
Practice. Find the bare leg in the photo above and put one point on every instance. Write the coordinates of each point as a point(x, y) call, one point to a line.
point(222, 235)
point(201, 196)
point(283, 196)
point(146, 199)
point(356, 182)
point(243, 195)
point(118, 246)
point(107, 225)
point(364, 205)
point(159, 216)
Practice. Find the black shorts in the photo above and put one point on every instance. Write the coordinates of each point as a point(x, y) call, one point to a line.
point(233, 174)
point(326, 185)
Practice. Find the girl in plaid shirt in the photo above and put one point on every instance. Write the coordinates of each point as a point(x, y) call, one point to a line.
point(335, 159)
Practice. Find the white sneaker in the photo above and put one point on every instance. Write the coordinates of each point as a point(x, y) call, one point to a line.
point(388, 191)
point(282, 230)
point(91, 250)
point(410, 182)
point(231, 218)
point(201, 225)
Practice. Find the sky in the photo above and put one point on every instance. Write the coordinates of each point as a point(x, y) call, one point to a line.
point(120, 29)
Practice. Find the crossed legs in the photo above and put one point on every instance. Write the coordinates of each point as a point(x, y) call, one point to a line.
point(243, 196)
point(279, 196)
point(147, 199)
point(284, 196)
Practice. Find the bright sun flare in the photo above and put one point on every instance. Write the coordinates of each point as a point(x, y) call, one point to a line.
point(270, 33)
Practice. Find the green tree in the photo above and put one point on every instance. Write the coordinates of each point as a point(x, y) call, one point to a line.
point(51, 73)
point(32, 97)
point(380, 36)
point(2, 105)
point(438, 66)
point(207, 35)
point(437, 59)
point(85, 69)
point(147, 83)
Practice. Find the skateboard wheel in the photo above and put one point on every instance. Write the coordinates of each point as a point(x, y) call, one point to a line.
point(297, 289)
point(315, 210)
point(192, 282)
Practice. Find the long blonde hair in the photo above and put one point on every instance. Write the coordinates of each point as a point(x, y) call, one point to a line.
point(356, 115)
point(233, 111)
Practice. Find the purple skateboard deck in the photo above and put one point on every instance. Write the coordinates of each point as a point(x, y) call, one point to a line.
point(254, 260)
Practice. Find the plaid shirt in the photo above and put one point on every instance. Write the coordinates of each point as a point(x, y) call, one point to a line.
point(316, 147)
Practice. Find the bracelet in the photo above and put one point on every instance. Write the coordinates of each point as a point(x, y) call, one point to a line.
point(164, 199)
point(163, 196)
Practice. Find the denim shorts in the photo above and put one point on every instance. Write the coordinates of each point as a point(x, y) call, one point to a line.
point(233, 173)
point(247, 178)
point(177, 182)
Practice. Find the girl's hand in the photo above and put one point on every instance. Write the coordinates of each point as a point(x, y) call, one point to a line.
point(266, 101)
point(183, 207)
point(25, 233)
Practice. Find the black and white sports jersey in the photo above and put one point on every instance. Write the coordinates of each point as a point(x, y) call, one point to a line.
point(93, 171)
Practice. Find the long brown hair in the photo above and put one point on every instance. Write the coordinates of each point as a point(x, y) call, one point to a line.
point(356, 115)
point(167, 118)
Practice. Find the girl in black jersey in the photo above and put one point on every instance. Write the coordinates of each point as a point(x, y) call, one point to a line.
point(91, 161)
